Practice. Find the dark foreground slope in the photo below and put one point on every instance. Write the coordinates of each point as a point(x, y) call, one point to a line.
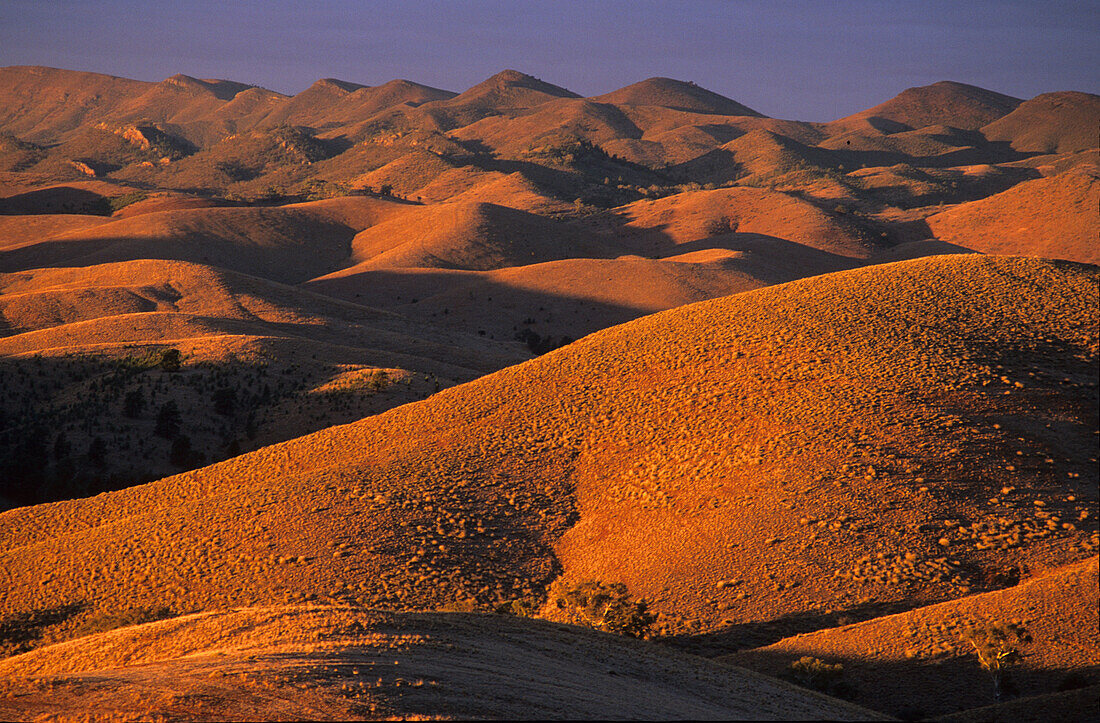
point(349, 663)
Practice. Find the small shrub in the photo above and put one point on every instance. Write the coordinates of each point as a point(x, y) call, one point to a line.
point(520, 608)
point(604, 607)
point(816, 674)
point(378, 380)
point(541, 344)
point(718, 226)
point(460, 606)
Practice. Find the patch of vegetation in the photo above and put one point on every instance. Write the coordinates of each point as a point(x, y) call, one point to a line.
point(816, 674)
point(119, 202)
point(997, 646)
point(234, 170)
point(520, 608)
point(167, 359)
point(539, 344)
point(86, 423)
point(318, 189)
point(609, 608)
point(105, 620)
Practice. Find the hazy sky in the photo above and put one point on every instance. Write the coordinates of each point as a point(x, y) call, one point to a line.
point(810, 60)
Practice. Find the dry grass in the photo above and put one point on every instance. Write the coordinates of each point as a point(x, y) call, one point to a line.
point(763, 441)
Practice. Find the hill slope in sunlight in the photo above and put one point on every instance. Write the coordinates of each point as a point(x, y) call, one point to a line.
point(733, 460)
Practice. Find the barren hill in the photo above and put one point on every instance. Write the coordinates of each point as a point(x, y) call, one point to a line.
point(1050, 123)
point(330, 102)
point(688, 221)
point(507, 92)
point(473, 236)
point(523, 142)
point(351, 663)
point(677, 95)
point(920, 660)
point(546, 304)
point(72, 98)
point(1053, 217)
point(943, 103)
point(898, 434)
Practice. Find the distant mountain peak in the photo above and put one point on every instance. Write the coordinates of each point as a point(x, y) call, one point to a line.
point(682, 95)
point(337, 84)
point(510, 79)
point(945, 102)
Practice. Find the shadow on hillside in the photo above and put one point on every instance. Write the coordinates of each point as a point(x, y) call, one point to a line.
point(19, 630)
point(744, 636)
point(477, 304)
point(229, 244)
point(61, 199)
point(925, 687)
point(980, 152)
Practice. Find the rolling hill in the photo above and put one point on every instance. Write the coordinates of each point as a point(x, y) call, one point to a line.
point(86, 390)
point(691, 455)
point(1062, 122)
point(1048, 217)
point(323, 397)
point(947, 102)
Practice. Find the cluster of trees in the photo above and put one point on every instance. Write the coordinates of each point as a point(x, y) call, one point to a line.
point(54, 448)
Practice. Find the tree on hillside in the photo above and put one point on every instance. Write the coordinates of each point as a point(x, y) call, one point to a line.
point(97, 453)
point(225, 401)
point(997, 647)
point(604, 607)
point(61, 447)
point(134, 404)
point(181, 454)
point(168, 420)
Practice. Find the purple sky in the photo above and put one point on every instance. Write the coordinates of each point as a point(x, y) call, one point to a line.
point(810, 60)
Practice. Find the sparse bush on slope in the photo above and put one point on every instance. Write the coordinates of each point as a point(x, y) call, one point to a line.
point(609, 608)
point(815, 673)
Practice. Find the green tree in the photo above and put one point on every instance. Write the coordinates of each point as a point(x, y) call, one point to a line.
point(181, 453)
point(816, 674)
